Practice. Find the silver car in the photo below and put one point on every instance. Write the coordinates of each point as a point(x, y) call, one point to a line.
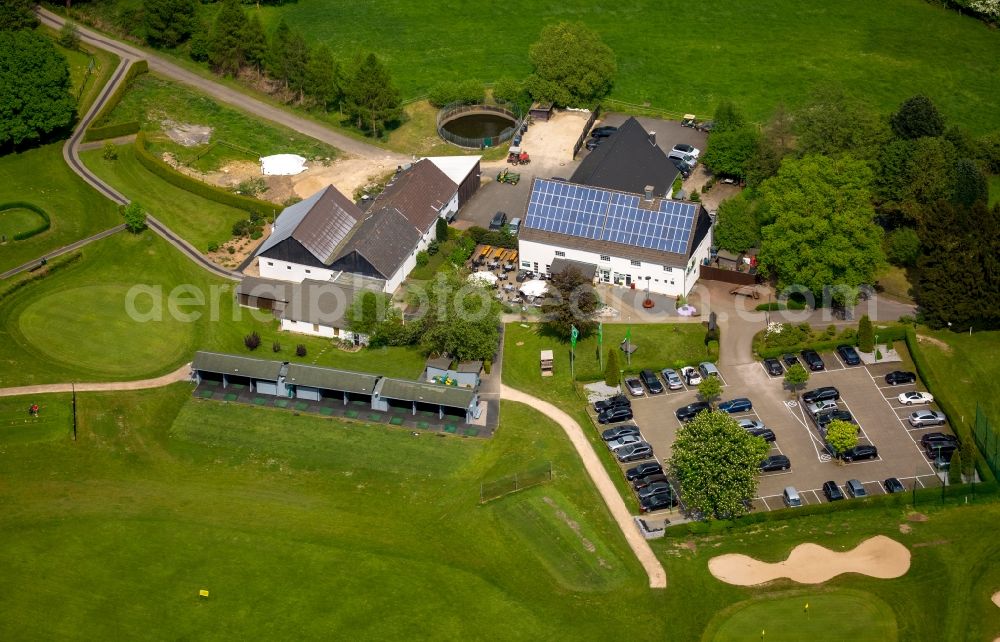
point(634, 386)
point(672, 378)
point(708, 369)
point(752, 424)
point(819, 406)
point(623, 441)
point(923, 418)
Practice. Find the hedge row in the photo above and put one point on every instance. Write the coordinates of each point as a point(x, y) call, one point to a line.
point(46, 223)
point(781, 305)
point(111, 131)
point(886, 334)
point(962, 429)
point(50, 268)
point(193, 185)
point(99, 133)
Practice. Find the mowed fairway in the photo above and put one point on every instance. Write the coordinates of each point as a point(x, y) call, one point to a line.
point(685, 56)
point(831, 616)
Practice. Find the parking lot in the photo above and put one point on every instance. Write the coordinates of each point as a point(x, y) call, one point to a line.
point(874, 405)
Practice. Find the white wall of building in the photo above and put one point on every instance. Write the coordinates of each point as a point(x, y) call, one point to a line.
point(451, 208)
point(315, 330)
point(669, 280)
point(285, 271)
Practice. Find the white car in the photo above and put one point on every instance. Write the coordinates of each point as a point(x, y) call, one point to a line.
point(621, 442)
point(752, 424)
point(684, 148)
point(922, 418)
point(915, 396)
point(691, 375)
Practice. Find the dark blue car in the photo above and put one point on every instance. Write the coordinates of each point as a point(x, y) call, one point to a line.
point(740, 404)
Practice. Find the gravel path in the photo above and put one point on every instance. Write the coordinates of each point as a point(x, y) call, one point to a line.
point(181, 374)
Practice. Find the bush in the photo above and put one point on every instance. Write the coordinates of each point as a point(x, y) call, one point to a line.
point(300, 350)
point(488, 366)
point(252, 341)
point(611, 373)
point(256, 234)
point(135, 217)
point(508, 90)
point(275, 347)
point(110, 151)
point(502, 238)
point(463, 250)
point(467, 92)
point(423, 258)
point(441, 230)
point(830, 332)
point(955, 468)
point(69, 37)
point(433, 247)
point(902, 246)
point(713, 350)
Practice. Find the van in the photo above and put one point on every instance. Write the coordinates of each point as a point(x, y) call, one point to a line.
point(855, 488)
point(791, 497)
point(708, 369)
point(514, 226)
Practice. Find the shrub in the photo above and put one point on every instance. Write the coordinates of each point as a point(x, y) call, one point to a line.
point(256, 234)
point(69, 37)
point(135, 217)
point(109, 151)
point(433, 247)
point(442, 230)
point(231, 249)
point(488, 366)
point(213, 247)
point(902, 246)
point(423, 258)
point(955, 469)
point(300, 350)
point(252, 341)
point(713, 350)
point(830, 332)
point(866, 335)
point(44, 225)
point(611, 373)
point(118, 129)
point(275, 347)
point(468, 92)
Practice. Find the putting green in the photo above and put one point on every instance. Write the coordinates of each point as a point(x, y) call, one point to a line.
point(18, 220)
point(89, 328)
point(831, 616)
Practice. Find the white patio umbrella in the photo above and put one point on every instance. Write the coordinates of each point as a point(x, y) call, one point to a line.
point(484, 277)
point(533, 289)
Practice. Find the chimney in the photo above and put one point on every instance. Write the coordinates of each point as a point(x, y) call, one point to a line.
point(648, 191)
point(652, 138)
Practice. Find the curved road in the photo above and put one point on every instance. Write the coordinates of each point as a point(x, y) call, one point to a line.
point(227, 95)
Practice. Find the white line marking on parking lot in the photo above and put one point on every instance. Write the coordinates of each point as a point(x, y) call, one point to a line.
point(904, 424)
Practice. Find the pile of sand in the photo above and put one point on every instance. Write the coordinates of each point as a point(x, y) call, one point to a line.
point(812, 564)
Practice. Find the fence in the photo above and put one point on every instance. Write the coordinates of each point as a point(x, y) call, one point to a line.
point(586, 130)
point(519, 481)
point(642, 110)
point(988, 439)
point(710, 273)
point(452, 111)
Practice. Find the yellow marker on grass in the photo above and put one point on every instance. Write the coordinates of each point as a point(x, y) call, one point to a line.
point(203, 593)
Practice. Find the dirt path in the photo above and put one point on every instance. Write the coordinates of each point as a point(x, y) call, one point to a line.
point(181, 374)
point(616, 505)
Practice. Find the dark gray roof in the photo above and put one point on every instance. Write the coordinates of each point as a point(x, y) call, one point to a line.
point(432, 393)
point(385, 239)
point(321, 302)
point(470, 366)
point(331, 379)
point(418, 193)
point(265, 288)
point(627, 161)
point(441, 363)
point(320, 223)
point(236, 365)
point(588, 270)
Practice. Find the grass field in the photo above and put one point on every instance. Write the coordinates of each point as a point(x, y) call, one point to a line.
point(895, 283)
point(40, 176)
point(74, 325)
point(831, 616)
point(17, 426)
point(86, 85)
point(152, 100)
point(198, 220)
point(960, 360)
point(17, 220)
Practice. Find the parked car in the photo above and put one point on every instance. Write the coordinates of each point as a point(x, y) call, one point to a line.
point(821, 394)
point(691, 376)
point(922, 418)
point(706, 126)
point(614, 415)
point(651, 381)
point(813, 360)
point(642, 482)
point(861, 451)
point(849, 355)
point(687, 158)
point(684, 148)
point(708, 369)
point(824, 418)
point(775, 462)
point(937, 438)
point(658, 488)
point(688, 412)
point(672, 378)
point(832, 491)
point(893, 485)
point(682, 167)
point(937, 449)
point(619, 431)
point(522, 276)
point(657, 502)
point(514, 226)
point(791, 497)
point(635, 452)
point(603, 131)
point(855, 488)
point(773, 367)
point(610, 402)
point(634, 387)
point(498, 221)
point(820, 406)
point(790, 360)
point(915, 396)
point(764, 433)
point(899, 377)
point(943, 461)
point(751, 424)
point(644, 469)
point(739, 404)
point(623, 441)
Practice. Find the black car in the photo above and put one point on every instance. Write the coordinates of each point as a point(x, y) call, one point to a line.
point(658, 488)
point(939, 449)
point(849, 355)
point(790, 360)
point(832, 491)
point(681, 166)
point(773, 367)
point(498, 221)
point(603, 131)
point(614, 415)
point(651, 381)
point(657, 502)
point(893, 485)
point(938, 438)
point(775, 462)
point(619, 431)
point(611, 402)
point(642, 482)
point(824, 418)
point(688, 412)
point(813, 360)
point(764, 433)
point(900, 377)
point(826, 393)
point(644, 469)
point(861, 451)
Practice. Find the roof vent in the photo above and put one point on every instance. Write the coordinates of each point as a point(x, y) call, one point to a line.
point(648, 192)
point(652, 138)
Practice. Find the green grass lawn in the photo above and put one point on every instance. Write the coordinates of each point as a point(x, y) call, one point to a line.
point(17, 220)
point(152, 100)
point(198, 220)
point(962, 366)
point(75, 326)
point(831, 616)
point(894, 282)
point(54, 420)
point(87, 82)
point(40, 176)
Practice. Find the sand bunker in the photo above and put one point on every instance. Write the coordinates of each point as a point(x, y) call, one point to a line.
point(812, 564)
point(996, 599)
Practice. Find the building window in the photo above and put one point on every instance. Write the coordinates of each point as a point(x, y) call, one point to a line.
point(667, 268)
point(636, 263)
point(605, 257)
point(270, 262)
point(288, 267)
point(308, 271)
point(558, 253)
point(315, 327)
point(526, 264)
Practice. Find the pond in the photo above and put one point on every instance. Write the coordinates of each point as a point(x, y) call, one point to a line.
point(479, 125)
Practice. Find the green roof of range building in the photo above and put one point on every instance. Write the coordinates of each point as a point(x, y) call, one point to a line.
point(403, 390)
point(330, 379)
point(232, 364)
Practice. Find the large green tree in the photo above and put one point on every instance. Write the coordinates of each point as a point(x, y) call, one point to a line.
point(916, 118)
point(571, 301)
point(823, 234)
point(572, 65)
point(731, 150)
point(168, 23)
point(716, 463)
point(35, 100)
point(17, 14)
point(737, 228)
point(368, 310)
point(456, 317)
point(255, 43)
point(841, 435)
point(832, 123)
point(226, 48)
point(322, 81)
point(370, 98)
point(288, 57)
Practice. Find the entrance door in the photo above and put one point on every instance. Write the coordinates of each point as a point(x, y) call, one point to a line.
point(628, 280)
point(606, 276)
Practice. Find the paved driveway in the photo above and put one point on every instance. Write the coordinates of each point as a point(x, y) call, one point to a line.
point(668, 132)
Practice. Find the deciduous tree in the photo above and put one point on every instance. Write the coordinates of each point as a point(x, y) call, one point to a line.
point(841, 435)
point(716, 463)
point(796, 378)
point(727, 117)
point(370, 98)
point(572, 66)
point(367, 311)
point(17, 14)
point(737, 228)
point(571, 301)
point(833, 123)
point(35, 103)
point(135, 217)
point(710, 389)
point(69, 36)
point(730, 151)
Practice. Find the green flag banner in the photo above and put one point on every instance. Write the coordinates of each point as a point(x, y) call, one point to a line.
point(628, 334)
point(573, 334)
point(600, 333)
